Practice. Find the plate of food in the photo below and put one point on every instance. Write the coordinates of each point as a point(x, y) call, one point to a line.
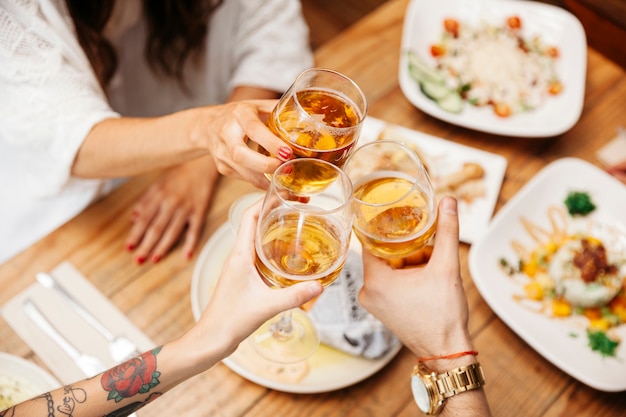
point(471, 175)
point(21, 379)
point(552, 266)
point(328, 369)
point(507, 67)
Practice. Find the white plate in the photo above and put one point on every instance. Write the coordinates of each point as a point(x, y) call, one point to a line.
point(31, 379)
point(554, 25)
point(443, 157)
point(552, 338)
point(326, 370)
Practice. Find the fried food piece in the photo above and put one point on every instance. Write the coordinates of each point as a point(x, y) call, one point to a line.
point(469, 171)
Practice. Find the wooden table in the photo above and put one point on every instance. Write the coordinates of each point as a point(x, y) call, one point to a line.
point(156, 297)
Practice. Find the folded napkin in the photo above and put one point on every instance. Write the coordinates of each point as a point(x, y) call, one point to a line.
point(78, 332)
point(614, 151)
point(343, 323)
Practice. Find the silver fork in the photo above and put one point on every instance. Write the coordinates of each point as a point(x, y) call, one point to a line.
point(120, 347)
point(90, 365)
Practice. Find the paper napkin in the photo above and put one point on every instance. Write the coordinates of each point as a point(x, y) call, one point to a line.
point(75, 329)
point(341, 321)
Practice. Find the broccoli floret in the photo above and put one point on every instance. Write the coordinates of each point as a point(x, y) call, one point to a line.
point(600, 342)
point(579, 202)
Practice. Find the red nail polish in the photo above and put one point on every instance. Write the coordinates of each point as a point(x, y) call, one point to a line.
point(189, 255)
point(284, 152)
point(130, 247)
point(156, 258)
point(141, 260)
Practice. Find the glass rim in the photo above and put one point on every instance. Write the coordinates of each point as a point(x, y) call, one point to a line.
point(362, 112)
point(413, 156)
point(346, 182)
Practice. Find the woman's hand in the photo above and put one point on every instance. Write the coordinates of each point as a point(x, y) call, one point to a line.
point(425, 307)
point(230, 126)
point(174, 206)
point(241, 301)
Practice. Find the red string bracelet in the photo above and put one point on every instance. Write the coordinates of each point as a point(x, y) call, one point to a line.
point(451, 356)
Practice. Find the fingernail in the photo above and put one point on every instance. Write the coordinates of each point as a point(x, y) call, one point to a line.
point(130, 247)
point(284, 152)
point(303, 199)
point(141, 260)
point(189, 255)
point(448, 205)
point(156, 258)
point(134, 215)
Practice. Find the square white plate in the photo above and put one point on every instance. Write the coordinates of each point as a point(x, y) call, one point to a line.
point(444, 157)
point(561, 341)
point(423, 26)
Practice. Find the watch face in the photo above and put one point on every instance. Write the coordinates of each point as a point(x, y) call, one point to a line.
point(420, 393)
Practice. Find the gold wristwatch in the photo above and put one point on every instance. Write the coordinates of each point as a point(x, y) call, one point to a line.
point(430, 389)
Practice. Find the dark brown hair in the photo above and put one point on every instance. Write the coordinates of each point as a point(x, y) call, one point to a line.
point(176, 28)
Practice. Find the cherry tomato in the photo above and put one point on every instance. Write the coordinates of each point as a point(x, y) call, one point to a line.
point(553, 52)
point(501, 109)
point(514, 22)
point(437, 50)
point(451, 26)
point(555, 88)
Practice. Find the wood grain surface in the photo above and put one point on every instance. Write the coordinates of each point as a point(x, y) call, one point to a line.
point(156, 297)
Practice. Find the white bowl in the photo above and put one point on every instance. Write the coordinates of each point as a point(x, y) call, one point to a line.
point(23, 378)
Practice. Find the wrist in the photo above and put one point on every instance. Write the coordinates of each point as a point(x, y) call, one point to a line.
point(448, 344)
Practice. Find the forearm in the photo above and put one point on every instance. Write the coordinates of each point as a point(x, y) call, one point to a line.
point(248, 92)
point(130, 146)
point(124, 388)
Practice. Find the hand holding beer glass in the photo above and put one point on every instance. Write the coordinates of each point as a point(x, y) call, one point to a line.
point(303, 233)
point(395, 209)
point(320, 116)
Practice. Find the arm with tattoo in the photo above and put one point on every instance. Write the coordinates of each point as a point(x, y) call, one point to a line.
point(241, 302)
point(118, 391)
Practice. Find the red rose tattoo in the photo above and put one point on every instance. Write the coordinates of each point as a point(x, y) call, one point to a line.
point(135, 376)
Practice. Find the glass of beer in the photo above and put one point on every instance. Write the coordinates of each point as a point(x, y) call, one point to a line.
point(320, 115)
point(303, 234)
point(394, 205)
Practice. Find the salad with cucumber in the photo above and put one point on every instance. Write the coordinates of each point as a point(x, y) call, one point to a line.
point(487, 66)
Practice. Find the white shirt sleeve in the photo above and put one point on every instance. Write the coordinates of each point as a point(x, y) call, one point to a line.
point(51, 98)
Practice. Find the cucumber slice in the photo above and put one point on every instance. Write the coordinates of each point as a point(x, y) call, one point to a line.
point(452, 102)
point(421, 71)
point(435, 91)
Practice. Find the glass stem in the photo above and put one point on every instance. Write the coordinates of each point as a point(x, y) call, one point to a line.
point(283, 329)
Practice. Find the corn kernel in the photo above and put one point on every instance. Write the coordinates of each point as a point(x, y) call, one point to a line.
point(561, 308)
point(599, 324)
point(533, 291)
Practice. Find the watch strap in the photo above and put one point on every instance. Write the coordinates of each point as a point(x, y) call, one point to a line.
point(459, 380)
